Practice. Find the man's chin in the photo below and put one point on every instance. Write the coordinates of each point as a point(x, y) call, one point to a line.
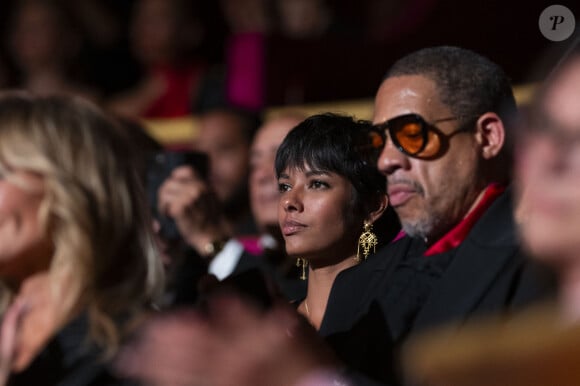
point(416, 228)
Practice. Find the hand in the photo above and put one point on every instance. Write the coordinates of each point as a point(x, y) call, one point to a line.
point(8, 339)
point(186, 198)
point(235, 345)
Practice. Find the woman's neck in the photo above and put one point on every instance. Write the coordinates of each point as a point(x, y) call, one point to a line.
point(320, 280)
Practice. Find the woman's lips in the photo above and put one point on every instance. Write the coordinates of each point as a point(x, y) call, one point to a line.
point(290, 227)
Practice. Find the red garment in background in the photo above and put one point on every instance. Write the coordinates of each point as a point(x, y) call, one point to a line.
point(181, 84)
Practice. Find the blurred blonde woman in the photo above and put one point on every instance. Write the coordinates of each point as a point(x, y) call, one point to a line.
point(77, 259)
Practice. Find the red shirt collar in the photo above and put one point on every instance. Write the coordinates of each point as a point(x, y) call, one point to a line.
point(459, 232)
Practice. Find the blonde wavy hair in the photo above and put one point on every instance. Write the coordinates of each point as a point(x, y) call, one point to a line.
point(104, 261)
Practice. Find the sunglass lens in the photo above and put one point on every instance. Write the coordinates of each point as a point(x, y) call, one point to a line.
point(410, 136)
point(376, 140)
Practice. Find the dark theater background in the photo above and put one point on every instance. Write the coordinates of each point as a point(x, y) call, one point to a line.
point(342, 59)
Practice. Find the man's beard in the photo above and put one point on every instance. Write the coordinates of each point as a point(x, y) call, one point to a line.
point(421, 228)
point(431, 226)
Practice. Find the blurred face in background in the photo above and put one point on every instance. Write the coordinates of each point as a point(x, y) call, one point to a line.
point(548, 170)
point(37, 36)
point(152, 30)
point(264, 195)
point(223, 138)
point(303, 18)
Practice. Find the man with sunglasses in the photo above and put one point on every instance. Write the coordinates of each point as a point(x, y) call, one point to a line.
point(441, 131)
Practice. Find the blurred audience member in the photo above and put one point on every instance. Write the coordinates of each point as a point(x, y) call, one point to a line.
point(200, 201)
point(78, 258)
point(202, 243)
point(163, 38)
point(549, 176)
point(264, 198)
point(301, 19)
point(263, 184)
point(256, 27)
point(389, 21)
point(225, 135)
point(211, 211)
point(44, 44)
point(261, 349)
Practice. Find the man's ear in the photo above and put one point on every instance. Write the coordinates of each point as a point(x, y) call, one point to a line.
point(383, 202)
point(490, 135)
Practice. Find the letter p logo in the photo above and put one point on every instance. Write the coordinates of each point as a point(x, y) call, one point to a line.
point(557, 23)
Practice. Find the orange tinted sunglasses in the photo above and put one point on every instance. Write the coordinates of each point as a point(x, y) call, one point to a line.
point(412, 135)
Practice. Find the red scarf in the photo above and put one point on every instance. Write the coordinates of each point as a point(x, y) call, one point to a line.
point(459, 232)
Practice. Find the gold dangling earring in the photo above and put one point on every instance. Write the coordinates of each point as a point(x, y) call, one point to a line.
point(300, 262)
point(366, 241)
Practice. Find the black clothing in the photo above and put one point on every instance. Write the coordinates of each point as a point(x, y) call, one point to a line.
point(192, 267)
point(69, 359)
point(184, 289)
point(374, 307)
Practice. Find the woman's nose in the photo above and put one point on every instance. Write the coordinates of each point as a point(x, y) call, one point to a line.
point(292, 201)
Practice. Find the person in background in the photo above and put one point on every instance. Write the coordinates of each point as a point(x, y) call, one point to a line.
point(249, 23)
point(211, 213)
point(201, 215)
point(264, 197)
point(163, 35)
point(225, 135)
point(263, 184)
point(548, 171)
point(78, 263)
point(303, 19)
point(44, 45)
point(259, 28)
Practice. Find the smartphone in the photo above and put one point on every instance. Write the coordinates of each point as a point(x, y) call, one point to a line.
point(159, 168)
